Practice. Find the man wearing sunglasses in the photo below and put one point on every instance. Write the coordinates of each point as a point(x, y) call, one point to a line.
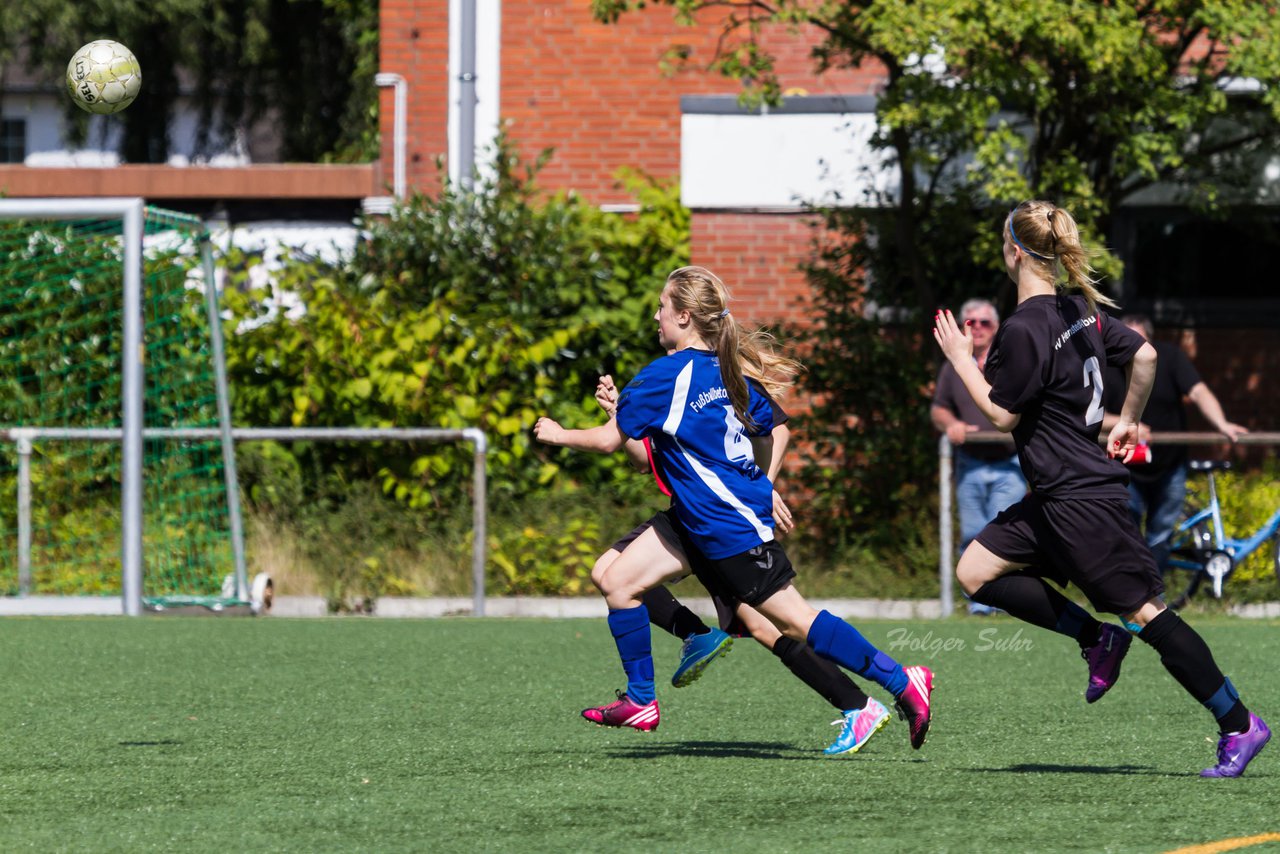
point(988, 477)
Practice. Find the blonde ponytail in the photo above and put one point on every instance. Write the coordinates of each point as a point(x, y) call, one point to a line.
point(742, 353)
point(1049, 236)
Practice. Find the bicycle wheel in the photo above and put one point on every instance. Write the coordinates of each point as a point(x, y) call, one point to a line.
point(1184, 571)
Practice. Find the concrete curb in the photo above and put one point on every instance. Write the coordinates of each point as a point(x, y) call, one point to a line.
point(556, 608)
point(549, 607)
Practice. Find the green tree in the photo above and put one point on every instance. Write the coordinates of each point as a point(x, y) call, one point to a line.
point(306, 65)
point(1085, 103)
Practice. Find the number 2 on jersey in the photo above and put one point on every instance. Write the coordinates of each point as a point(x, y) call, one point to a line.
point(1093, 377)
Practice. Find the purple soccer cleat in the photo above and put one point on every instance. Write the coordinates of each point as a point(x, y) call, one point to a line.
point(1236, 750)
point(1104, 659)
point(625, 712)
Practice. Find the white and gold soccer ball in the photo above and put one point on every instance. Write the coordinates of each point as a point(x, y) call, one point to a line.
point(103, 77)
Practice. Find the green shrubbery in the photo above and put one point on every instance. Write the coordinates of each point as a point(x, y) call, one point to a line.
point(487, 310)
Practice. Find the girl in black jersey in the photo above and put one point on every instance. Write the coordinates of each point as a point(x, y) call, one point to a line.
point(1043, 383)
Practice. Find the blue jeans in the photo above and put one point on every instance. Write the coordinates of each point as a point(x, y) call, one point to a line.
point(983, 489)
point(1160, 503)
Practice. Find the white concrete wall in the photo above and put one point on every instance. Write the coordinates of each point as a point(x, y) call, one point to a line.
point(779, 160)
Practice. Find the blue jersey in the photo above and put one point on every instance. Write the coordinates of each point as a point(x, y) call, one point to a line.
point(680, 403)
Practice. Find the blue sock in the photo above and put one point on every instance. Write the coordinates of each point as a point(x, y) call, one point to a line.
point(1072, 620)
point(1223, 700)
point(630, 627)
point(833, 638)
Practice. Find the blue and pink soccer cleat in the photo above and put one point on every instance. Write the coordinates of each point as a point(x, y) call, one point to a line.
point(858, 726)
point(914, 703)
point(1236, 750)
point(625, 712)
point(698, 652)
point(1104, 659)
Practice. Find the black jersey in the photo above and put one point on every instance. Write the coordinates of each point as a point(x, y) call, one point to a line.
point(1047, 364)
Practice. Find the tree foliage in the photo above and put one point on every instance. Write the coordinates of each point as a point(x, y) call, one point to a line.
point(1084, 103)
point(306, 66)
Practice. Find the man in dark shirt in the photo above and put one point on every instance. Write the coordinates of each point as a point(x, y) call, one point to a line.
point(988, 478)
point(1158, 488)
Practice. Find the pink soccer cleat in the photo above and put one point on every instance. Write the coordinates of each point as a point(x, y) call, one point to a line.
point(625, 712)
point(913, 703)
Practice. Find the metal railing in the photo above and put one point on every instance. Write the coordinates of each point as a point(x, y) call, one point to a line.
point(946, 488)
point(23, 437)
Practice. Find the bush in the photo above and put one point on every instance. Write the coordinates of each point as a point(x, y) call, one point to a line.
point(1248, 500)
point(486, 310)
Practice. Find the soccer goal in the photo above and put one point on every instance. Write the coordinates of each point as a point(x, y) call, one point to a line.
point(110, 347)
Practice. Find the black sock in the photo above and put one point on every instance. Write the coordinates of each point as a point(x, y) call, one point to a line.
point(1187, 658)
point(1033, 601)
point(666, 612)
point(819, 674)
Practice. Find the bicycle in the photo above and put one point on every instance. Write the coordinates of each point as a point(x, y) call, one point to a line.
point(1199, 546)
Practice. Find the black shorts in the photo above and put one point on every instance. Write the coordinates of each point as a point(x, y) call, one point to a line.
point(758, 576)
point(750, 577)
point(627, 539)
point(1092, 543)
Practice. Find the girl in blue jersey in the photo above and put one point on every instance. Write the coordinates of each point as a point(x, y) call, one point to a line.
point(860, 716)
point(1043, 383)
point(707, 426)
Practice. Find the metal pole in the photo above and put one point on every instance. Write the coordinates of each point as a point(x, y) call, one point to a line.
point(946, 537)
point(224, 420)
point(479, 513)
point(24, 516)
point(467, 96)
point(132, 417)
point(398, 124)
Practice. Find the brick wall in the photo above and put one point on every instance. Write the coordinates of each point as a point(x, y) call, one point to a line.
point(414, 42)
point(596, 94)
point(758, 256)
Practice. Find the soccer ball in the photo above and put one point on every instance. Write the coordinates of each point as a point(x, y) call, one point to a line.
point(103, 77)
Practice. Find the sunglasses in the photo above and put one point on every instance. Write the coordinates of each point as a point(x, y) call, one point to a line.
point(984, 323)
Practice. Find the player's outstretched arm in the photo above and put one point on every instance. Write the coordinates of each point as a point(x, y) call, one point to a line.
point(604, 439)
point(957, 346)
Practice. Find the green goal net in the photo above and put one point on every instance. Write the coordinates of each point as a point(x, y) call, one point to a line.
point(62, 401)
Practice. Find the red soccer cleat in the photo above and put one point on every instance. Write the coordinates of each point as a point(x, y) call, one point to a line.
point(913, 703)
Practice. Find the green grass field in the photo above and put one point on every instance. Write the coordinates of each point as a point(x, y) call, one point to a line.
point(189, 734)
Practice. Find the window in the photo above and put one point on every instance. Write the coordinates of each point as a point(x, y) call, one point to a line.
point(13, 140)
point(1181, 266)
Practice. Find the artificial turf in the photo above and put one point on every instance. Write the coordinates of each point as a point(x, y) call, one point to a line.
point(358, 734)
